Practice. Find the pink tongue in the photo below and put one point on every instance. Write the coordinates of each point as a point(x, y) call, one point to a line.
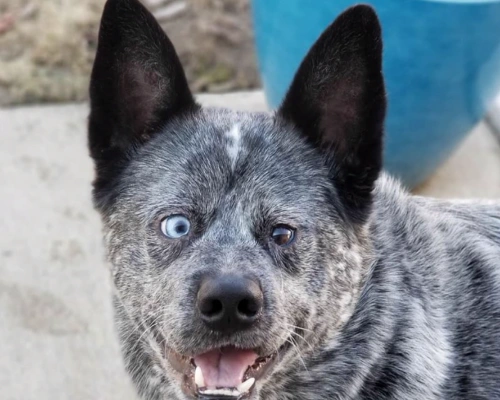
point(225, 367)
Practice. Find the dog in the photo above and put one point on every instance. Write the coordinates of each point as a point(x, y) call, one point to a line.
point(268, 256)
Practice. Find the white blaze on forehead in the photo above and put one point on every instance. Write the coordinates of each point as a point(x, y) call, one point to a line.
point(233, 146)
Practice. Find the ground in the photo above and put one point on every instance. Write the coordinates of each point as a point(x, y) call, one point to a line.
point(47, 47)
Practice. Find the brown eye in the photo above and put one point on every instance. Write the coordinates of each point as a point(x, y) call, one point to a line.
point(283, 235)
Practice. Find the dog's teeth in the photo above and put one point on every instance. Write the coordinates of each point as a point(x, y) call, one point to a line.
point(246, 386)
point(198, 377)
point(224, 392)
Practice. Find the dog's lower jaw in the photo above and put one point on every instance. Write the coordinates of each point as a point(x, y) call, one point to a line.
point(152, 374)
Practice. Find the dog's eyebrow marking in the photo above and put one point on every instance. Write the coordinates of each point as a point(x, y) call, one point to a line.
point(233, 146)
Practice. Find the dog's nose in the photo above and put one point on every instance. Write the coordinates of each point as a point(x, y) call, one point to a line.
point(229, 303)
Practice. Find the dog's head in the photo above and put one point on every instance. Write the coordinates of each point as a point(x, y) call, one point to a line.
point(238, 241)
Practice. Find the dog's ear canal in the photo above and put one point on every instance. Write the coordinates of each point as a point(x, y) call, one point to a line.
point(137, 82)
point(337, 101)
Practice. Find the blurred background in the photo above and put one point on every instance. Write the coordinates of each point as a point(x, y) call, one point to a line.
point(47, 46)
point(57, 340)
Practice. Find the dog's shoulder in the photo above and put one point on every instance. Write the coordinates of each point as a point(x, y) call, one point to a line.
point(393, 205)
point(444, 257)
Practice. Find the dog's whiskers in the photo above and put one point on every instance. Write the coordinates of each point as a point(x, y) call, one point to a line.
point(300, 328)
point(295, 346)
point(302, 339)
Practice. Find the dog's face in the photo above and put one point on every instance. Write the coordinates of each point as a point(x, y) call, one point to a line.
point(237, 240)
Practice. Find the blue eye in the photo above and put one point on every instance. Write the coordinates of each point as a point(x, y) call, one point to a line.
point(175, 226)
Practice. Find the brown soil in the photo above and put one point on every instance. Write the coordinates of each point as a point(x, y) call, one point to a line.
point(47, 46)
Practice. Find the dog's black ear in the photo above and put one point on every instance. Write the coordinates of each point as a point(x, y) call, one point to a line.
point(137, 85)
point(337, 101)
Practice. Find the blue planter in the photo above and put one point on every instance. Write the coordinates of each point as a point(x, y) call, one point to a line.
point(441, 63)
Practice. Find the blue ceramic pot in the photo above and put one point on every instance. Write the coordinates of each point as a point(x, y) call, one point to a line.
point(441, 63)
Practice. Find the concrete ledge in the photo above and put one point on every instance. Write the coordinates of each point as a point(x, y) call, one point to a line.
point(493, 118)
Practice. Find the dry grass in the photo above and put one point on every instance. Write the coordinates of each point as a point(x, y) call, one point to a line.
point(47, 46)
point(47, 54)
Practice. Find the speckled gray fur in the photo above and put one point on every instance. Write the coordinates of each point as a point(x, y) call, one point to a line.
point(383, 295)
point(427, 325)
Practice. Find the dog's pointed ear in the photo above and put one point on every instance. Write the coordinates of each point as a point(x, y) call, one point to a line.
point(337, 101)
point(137, 84)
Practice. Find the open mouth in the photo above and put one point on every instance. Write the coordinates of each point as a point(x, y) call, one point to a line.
point(226, 373)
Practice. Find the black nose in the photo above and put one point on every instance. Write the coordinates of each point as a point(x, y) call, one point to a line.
point(229, 303)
